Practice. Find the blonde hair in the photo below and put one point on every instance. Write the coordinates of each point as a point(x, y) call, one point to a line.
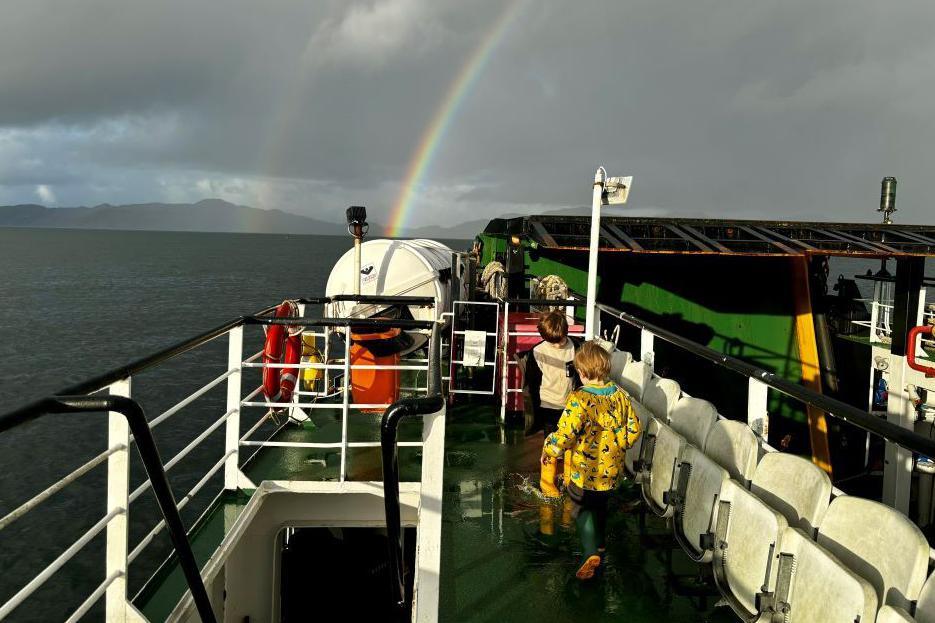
point(592, 362)
point(553, 326)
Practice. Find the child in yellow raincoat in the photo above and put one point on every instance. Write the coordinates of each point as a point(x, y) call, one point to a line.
point(597, 425)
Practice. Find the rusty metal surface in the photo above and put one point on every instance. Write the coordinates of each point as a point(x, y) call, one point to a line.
point(724, 237)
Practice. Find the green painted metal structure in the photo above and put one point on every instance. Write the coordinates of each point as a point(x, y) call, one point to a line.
point(740, 305)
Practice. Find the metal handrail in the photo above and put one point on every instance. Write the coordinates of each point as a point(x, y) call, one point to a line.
point(96, 594)
point(835, 408)
point(183, 453)
point(149, 453)
point(369, 323)
point(72, 399)
point(145, 541)
point(53, 567)
point(44, 495)
point(389, 427)
point(103, 380)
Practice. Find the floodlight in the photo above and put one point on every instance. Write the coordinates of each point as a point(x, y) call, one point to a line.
point(616, 190)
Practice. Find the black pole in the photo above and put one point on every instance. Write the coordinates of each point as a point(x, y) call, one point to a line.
point(909, 274)
point(389, 426)
point(146, 446)
point(891, 432)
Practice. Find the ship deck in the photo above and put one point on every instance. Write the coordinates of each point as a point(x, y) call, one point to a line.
point(497, 565)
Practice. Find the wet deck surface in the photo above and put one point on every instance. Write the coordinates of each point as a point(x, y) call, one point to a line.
point(506, 554)
point(497, 565)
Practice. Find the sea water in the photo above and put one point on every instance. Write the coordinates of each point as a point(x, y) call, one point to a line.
point(76, 303)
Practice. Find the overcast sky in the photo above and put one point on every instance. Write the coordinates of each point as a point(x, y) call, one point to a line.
point(771, 108)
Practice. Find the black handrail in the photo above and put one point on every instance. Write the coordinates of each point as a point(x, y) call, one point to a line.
point(99, 382)
point(389, 425)
point(368, 323)
point(149, 453)
point(835, 408)
point(550, 302)
point(422, 301)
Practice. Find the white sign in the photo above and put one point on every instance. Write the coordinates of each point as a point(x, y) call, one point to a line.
point(475, 348)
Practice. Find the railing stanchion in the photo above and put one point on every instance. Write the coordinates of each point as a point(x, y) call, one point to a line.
point(647, 349)
point(345, 401)
point(232, 432)
point(504, 361)
point(117, 607)
point(757, 414)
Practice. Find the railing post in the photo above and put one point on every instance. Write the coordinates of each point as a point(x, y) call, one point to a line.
point(647, 352)
point(875, 333)
point(118, 490)
point(504, 362)
point(345, 410)
point(234, 393)
point(757, 414)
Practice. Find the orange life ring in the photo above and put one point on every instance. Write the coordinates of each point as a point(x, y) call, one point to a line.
point(281, 348)
point(289, 376)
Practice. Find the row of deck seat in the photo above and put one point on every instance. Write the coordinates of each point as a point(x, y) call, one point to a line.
point(781, 546)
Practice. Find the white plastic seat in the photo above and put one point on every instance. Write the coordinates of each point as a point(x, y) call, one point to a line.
point(660, 396)
point(634, 378)
point(734, 447)
point(924, 612)
point(619, 359)
point(925, 605)
point(880, 544)
point(695, 501)
point(812, 586)
point(795, 487)
point(890, 614)
point(692, 418)
point(633, 453)
point(747, 542)
point(659, 456)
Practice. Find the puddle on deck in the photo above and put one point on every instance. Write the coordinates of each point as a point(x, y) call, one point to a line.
point(510, 555)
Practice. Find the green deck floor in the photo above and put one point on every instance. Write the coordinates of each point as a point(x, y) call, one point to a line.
point(496, 564)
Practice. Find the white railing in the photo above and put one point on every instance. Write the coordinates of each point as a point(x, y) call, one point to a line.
point(116, 521)
point(507, 362)
point(113, 588)
point(346, 368)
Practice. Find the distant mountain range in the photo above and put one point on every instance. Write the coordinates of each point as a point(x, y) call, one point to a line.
point(208, 215)
point(215, 215)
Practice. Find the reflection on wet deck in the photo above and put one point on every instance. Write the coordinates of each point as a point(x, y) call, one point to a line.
point(507, 555)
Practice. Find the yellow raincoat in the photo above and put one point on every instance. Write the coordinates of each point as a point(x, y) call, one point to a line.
point(598, 425)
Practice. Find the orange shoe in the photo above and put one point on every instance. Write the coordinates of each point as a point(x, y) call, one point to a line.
point(588, 567)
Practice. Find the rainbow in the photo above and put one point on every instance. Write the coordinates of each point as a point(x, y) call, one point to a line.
point(435, 131)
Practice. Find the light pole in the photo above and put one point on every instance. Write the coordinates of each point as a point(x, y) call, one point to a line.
point(607, 191)
point(357, 227)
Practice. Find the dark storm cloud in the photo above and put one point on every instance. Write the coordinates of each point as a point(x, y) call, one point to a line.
point(779, 109)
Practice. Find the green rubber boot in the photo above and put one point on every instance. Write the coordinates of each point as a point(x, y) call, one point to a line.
point(587, 534)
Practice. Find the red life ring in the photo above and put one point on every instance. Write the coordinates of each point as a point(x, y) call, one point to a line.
point(274, 349)
point(288, 378)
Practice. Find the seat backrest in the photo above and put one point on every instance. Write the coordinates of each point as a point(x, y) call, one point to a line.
point(695, 517)
point(692, 418)
point(619, 359)
point(634, 378)
point(925, 605)
point(795, 487)
point(878, 543)
point(734, 447)
point(823, 589)
point(753, 535)
point(666, 445)
point(660, 396)
point(633, 453)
